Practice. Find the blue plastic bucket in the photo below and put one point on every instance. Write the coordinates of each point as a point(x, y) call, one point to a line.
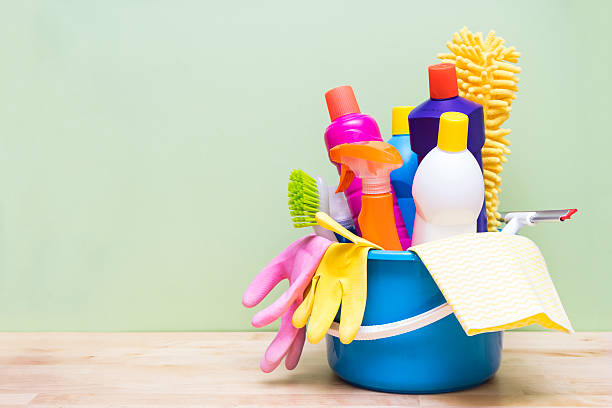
point(436, 358)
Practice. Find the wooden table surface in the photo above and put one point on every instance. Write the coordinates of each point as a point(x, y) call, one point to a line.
point(222, 369)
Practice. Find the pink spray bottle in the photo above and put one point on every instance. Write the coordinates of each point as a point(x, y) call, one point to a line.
point(349, 125)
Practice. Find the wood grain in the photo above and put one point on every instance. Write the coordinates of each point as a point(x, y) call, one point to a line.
point(541, 369)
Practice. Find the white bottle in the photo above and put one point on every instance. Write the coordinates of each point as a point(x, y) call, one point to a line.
point(448, 187)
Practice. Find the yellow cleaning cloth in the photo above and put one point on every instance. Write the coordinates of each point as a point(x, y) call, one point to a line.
point(494, 281)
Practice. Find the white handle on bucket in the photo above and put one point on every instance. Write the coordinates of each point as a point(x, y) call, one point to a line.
point(382, 331)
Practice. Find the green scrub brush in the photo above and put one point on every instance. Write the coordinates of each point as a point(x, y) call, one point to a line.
point(307, 196)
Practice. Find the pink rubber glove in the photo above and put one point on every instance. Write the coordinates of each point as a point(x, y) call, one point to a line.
point(297, 263)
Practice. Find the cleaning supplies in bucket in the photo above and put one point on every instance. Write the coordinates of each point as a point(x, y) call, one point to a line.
point(424, 120)
point(296, 263)
point(372, 162)
point(349, 125)
point(401, 179)
point(448, 187)
point(397, 321)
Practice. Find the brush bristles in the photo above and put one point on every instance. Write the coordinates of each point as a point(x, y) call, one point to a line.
point(303, 199)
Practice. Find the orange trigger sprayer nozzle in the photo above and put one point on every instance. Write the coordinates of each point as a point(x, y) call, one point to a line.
point(373, 162)
point(346, 178)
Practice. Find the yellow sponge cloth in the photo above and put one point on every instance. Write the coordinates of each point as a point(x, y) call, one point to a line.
point(494, 281)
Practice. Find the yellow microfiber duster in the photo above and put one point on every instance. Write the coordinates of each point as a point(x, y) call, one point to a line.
point(486, 75)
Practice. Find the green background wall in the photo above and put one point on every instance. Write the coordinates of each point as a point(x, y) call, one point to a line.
point(145, 145)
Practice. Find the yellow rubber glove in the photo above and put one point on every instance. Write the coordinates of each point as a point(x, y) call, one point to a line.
point(340, 278)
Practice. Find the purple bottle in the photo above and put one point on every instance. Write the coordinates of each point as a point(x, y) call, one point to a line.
point(425, 118)
point(349, 125)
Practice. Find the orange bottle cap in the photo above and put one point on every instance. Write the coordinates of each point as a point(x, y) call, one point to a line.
point(341, 101)
point(443, 81)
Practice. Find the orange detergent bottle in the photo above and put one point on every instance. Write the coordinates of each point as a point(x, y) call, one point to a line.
point(372, 162)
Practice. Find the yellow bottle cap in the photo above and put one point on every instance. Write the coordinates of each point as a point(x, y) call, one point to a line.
point(453, 132)
point(399, 120)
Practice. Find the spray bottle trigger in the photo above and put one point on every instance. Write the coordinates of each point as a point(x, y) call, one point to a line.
point(346, 178)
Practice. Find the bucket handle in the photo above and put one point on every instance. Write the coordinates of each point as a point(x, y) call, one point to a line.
point(382, 331)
